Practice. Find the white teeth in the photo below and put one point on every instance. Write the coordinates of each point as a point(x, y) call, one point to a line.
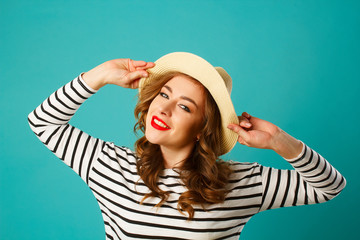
point(160, 123)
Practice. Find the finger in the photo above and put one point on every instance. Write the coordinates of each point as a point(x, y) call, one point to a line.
point(138, 63)
point(136, 75)
point(241, 141)
point(245, 114)
point(255, 121)
point(244, 122)
point(131, 65)
point(135, 84)
point(150, 65)
point(147, 66)
point(142, 65)
point(240, 131)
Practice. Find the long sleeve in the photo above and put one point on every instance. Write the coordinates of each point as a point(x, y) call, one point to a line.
point(49, 121)
point(314, 180)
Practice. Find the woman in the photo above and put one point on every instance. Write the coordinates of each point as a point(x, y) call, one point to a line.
point(174, 186)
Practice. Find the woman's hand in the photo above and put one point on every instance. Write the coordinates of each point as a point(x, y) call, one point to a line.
point(258, 133)
point(122, 72)
point(254, 132)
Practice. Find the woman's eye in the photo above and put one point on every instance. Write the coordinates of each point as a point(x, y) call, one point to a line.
point(185, 108)
point(164, 95)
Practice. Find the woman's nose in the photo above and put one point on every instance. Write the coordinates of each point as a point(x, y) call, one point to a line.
point(166, 108)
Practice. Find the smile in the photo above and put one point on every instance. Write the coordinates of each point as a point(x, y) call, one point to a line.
point(159, 124)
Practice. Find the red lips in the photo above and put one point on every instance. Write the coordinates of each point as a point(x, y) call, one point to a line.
point(157, 126)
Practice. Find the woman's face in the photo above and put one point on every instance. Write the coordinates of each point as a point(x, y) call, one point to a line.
point(176, 114)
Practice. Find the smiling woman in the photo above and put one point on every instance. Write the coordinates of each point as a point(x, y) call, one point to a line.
point(174, 185)
point(187, 140)
point(181, 116)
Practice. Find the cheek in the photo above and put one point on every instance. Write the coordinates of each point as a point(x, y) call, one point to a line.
point(198, 125)
point(148, 114)
point(190, 126)
point(153, 105)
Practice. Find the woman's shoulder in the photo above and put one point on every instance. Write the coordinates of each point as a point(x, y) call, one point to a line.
point(237, 166)
point(244, 169)
point(116, 152)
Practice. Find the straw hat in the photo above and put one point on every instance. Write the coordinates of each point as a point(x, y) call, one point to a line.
point(215, 79)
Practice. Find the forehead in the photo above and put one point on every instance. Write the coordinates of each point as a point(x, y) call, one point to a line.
point(185, 83)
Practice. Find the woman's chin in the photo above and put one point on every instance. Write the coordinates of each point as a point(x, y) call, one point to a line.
point(154, 139)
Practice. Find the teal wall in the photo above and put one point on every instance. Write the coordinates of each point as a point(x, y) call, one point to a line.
point(294, 63)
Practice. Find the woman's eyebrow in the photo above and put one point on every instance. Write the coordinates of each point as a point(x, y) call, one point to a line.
point(183, 97)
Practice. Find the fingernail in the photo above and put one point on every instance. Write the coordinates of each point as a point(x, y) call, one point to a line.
point(230, 127)
point(248, 124)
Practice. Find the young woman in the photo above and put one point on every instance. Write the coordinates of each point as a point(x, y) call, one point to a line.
point(174, 186)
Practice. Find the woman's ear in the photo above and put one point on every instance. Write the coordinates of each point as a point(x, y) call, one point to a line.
point(198, 137)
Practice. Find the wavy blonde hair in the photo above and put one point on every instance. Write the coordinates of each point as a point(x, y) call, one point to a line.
point(203, 173)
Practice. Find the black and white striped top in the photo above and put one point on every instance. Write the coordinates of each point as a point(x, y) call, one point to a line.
point(110, 172)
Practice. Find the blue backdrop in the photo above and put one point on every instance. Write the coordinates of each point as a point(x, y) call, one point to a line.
point(294, 63)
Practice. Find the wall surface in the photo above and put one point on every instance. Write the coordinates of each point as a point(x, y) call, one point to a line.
point(294, 63)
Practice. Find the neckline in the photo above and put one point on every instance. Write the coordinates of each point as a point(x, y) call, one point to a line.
point(170, 172)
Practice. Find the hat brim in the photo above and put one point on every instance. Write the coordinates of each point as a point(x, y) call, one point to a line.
point(208, 76)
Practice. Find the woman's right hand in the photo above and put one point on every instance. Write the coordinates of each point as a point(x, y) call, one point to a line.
point(123, 72)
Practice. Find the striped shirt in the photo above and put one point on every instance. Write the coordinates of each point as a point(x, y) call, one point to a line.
point(110, 172)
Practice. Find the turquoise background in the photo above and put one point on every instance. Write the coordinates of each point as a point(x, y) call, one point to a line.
point(294, 63)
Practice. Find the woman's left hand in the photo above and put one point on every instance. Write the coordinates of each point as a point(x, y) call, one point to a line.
point(255, 132)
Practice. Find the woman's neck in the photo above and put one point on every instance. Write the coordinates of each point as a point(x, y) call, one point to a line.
point(174, 158)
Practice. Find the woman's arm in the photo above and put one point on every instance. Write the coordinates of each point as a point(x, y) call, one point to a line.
point(314, 179)
point(49, 120)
